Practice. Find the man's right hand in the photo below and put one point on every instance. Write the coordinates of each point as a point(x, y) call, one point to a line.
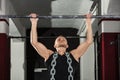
point(34, 17)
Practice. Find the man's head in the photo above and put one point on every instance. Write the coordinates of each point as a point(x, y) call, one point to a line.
point(61, 41)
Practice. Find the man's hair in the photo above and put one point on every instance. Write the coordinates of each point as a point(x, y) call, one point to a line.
point(61, 36)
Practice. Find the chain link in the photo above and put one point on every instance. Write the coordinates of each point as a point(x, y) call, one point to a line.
point(53, 64)
point(70, 68)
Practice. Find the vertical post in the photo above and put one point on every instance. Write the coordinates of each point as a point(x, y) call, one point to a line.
point(119, 54)
point(108, 31)
point(4, 44)
point(4, 51)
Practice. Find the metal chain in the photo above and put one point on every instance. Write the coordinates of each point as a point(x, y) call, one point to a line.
point(70, 68)
point(53, 64)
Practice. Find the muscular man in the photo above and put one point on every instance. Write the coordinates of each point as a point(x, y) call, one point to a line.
point(62, 65)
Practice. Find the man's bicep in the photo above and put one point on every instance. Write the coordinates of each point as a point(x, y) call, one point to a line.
point(81, 49)
point(41, 49)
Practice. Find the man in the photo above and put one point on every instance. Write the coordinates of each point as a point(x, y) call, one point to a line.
point(62, 65)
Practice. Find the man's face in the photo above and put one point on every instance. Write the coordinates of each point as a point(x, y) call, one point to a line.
point(61, 42)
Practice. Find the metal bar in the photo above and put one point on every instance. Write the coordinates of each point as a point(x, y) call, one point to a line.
point(64, 16)
point(47, 37)
point(93, 5)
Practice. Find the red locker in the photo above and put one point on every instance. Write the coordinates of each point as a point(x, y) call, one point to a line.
point(4, 57)
point(109, 57)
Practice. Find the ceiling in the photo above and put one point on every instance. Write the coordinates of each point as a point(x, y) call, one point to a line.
point(52, 7)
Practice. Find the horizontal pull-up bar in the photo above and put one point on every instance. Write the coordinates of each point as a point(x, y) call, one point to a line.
point(64, 16)
point(48, 37)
